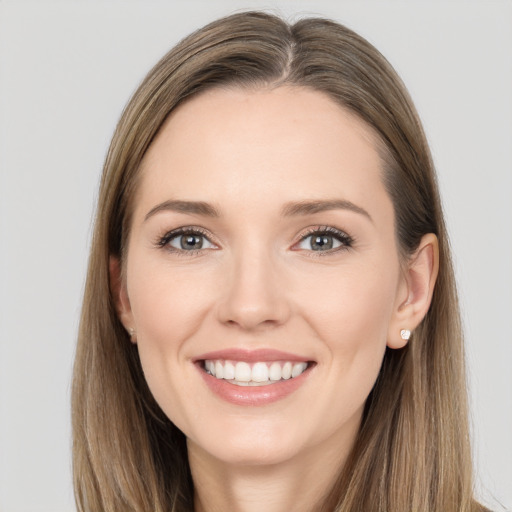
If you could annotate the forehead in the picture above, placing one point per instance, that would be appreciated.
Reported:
(288, 143)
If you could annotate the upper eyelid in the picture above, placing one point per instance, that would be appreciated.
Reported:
(187, 229)
(326, 229)
(163, 241)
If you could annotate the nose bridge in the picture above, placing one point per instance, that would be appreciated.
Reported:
(254, 294)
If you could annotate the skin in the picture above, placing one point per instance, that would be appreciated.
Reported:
(257, 283)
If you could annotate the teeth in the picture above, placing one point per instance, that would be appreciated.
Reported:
(209, 366)
(286, 372)
(229, 371)
(297, 369)
(260, 374)
(242, 372)
(274, 371)
(219, 370)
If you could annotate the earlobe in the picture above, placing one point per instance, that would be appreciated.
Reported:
(413, 301)
(120, 297)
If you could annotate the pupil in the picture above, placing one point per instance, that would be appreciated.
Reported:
(321, 242)
(191, 242)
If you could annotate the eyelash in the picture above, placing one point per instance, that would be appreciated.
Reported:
(163, 242)
(346, 240)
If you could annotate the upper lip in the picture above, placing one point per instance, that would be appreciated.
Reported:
(251, 356)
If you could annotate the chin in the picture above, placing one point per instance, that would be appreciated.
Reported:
(255, 446)
(254, 454)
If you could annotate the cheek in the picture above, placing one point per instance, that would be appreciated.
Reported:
(349, 312)
(350, 308)
(168, 304)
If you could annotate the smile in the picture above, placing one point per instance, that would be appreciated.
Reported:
(253, 377)
(241, 373)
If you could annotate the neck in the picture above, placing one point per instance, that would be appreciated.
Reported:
(300, 484)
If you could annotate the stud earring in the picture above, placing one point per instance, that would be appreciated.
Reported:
(131, 332)
(405, 334)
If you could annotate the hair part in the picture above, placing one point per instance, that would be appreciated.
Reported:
(412, 451)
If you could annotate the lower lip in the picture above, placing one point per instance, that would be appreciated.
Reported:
(253, 395)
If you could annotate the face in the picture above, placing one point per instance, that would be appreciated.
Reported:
(262, 276)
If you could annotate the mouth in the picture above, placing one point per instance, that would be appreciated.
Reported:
(259, 373)
(253, 378)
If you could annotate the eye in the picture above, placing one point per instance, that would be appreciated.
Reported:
(186, 240)
(325, 239)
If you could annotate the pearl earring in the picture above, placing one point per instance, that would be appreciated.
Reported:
(131, 332)
(405, 334)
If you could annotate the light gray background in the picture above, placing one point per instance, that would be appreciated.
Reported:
(66, 70)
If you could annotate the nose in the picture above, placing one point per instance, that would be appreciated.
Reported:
(254, 294)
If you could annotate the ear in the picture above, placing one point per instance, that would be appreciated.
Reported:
(120, 297)
(415, 290)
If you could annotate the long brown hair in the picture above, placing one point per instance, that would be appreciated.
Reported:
(412, 452)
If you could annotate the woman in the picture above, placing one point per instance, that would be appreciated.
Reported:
(269, 234)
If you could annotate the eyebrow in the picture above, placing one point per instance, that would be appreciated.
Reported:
(292, 209)
(316, 206)
(194, 207)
